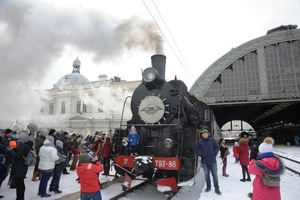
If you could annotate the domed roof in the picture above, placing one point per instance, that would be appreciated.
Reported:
(75, 77)
(76, 63)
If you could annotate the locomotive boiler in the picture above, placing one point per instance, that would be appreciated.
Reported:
(168, 120)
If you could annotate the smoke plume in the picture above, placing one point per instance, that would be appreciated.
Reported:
(34, 35)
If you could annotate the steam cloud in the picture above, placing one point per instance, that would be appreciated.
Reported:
(34, 35)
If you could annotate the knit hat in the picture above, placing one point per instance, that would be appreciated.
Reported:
(7, 131)
(267, 145)
(50, 138)
(65, 133)
(84, 158)
(12, 144)
(86, 143)
(24, 137)
(244, 134)
(59, 143)
(204, 131)
(133, 129)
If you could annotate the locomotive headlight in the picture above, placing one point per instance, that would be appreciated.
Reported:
(149, 74)
(125, 141)
(168, 143)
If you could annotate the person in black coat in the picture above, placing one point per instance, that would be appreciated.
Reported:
(19, 169)
(66, 146)
(207, 149)
(59, 166)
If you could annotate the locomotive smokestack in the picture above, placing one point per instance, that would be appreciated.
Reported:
(158, 62)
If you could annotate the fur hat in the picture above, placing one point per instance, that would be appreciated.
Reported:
(84, 158)
(267, 145)
(243, 141)
(50, 138)
(59, 143)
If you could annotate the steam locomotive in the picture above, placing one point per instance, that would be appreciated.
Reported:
(168, 120)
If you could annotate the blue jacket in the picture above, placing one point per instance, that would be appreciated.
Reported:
(133, 138)
(207, 149)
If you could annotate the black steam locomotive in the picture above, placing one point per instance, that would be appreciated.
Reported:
(168, 120)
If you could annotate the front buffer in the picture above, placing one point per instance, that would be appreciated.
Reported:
(142, 165)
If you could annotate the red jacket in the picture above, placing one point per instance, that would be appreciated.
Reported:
(243, 151)
(261, 191)
(88, 176)
(235, 150)
(106, 149)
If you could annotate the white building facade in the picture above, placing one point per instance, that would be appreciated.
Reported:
(77, 105)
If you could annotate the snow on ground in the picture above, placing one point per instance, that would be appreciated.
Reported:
(231, 187)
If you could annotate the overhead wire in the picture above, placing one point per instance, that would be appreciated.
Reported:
(192, 79)
(174, 42)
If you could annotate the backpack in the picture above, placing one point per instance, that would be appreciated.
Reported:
(30, 160)
(270, 181)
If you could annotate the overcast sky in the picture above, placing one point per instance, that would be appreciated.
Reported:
(41, 38)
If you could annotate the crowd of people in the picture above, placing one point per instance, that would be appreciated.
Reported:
(55, 153)
(255, 157)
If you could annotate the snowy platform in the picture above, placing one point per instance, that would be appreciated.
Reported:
(231, 187)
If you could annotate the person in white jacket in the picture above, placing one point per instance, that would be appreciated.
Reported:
(48, 155)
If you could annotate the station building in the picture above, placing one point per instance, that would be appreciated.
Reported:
(78, 105)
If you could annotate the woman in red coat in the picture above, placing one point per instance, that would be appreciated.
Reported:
(106, 153)
(243, 151)
(266, 163)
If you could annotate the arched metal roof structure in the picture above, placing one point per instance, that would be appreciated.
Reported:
(257, 82)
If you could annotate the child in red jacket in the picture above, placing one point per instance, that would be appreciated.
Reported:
(235, 150)
(267, 163)
(88, 173)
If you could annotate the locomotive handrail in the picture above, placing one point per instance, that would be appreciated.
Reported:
(123, 110)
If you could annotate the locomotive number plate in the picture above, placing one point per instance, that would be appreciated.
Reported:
(166, 163)
(125, 161)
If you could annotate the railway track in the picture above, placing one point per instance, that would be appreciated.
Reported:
(291, 164)
(140, 190)
(124, 193)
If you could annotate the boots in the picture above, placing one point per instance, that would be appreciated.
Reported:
(34, 177)
(65, 171)
(224, 171)
(40, 175)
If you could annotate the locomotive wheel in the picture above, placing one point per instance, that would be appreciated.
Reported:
(186, 169)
